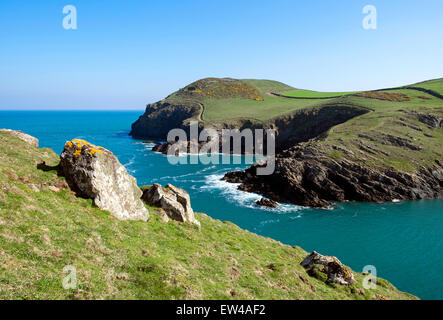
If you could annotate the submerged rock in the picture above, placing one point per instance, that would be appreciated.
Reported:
(335, 271)
(263, 202)
(162, 147)
(22, 136)
(174, 201)
(178, 147)
(95, 172)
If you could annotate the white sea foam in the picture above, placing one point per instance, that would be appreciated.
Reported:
(191, 174)
(149, 145)
(265, 222)
(242, 198)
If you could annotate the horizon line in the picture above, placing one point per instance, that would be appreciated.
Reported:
(20, 109)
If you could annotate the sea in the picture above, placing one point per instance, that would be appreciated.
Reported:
(402, 240)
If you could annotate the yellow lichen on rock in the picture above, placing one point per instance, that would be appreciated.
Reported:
(93, 151)
(80, 142)
(80, 145)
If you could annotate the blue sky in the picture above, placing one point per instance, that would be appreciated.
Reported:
(125, 54)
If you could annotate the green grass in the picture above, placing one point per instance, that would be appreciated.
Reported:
(42, 231)
(234, 109)
(390, 118)
(265, 86)
(435, 85)
(315, 94)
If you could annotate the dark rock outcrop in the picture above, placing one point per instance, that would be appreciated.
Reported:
(162, 147)
(165, 147)
(160, 117)
(432, 121)
(306, 176)
(263, 202)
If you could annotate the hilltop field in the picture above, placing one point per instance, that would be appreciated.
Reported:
(230, 99)
(44, 227)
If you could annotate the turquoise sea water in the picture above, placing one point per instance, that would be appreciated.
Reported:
(403, 240)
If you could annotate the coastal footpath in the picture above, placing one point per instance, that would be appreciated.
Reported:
(60, 214)
(372, 146)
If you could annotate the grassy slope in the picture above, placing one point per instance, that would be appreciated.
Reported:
(272, 106)
(43, 231)
(315, 94)
(435, 85)
(265, 86)
(230, 108)
(389, 118)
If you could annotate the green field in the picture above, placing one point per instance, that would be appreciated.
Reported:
(264, 86)
(42, 231)
(315, 94)
(435, 85)
(272, 106)
(394, 119)
(219, 108)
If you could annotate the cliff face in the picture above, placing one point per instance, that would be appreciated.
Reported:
(290, 129)
(371, 158)
(304, 125)
(159, 118)
(307, 176)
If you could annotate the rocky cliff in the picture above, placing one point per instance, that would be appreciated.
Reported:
(159, 118)
(290, 129)
(307, 175)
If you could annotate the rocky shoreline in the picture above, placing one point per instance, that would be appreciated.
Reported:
(306, 176)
